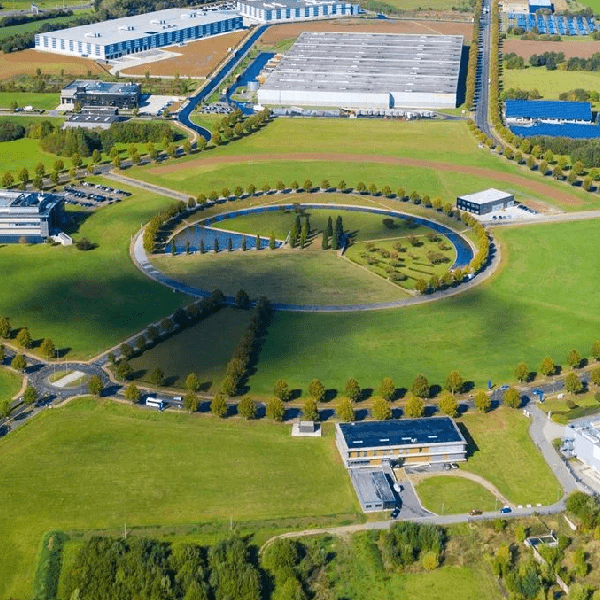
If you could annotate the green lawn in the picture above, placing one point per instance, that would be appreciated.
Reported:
(504, 454)
(484, 333)
(404, 5)
(144, 468)
(357, 575)
(448, 495)
(550, 83)
(203, 349)
(24, 153)
(10, 384)
(361, 226)
(36, 25)
(284, 276)
(86, 301)
(39, 101)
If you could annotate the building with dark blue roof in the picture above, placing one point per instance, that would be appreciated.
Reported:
(578, 131)
(518, 112)
(405, 441)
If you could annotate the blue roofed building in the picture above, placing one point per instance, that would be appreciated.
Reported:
(406, 441)
(529, 118)
(528, 111)
(535, 5)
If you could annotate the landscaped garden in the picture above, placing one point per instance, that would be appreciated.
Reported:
(446, 495)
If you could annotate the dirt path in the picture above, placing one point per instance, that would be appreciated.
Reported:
(538, 187)
(416, 479)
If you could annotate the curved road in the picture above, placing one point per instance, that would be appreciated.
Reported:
(222, 73)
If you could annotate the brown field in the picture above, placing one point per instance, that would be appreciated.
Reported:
(26, 62)
(278, 33)
(197, 59)
(526, 48)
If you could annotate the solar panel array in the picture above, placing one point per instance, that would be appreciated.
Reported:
(548, 109)
(568, 130)
(553, 25)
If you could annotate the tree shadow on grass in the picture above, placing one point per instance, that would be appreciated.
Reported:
(435, 390)
(429, 410)
(292, 413)
(365, 394)
(326, 414)
(330, 394)
(399, 393)
(397, 413)
(472, 447)
(295, 393)
(361, 414)
(139, 374)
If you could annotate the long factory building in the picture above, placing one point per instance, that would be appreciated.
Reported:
(366, 70)
(131, 35)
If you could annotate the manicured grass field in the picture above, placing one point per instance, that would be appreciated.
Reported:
(86, 301)
(24, 153)
(518, 315)
(550, 83)
(504, 454)
(39, 101)
(360, 226)
(284, 276)
(142, 467)
(10, 384)
(36, 25)
(203, 349)
(448, 495)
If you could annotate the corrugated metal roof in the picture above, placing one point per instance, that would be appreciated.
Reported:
(544, 109)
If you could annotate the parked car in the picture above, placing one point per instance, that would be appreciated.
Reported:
(394, 514)
(505, 510)
(454, 465)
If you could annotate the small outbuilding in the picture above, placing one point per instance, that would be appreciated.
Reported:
(487, 201)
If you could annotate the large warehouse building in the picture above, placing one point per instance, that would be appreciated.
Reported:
(263, 11)
(28, 216)
(130, 35)
(366, 70)
(481, 203)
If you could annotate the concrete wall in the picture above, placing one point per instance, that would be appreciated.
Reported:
(332, 99)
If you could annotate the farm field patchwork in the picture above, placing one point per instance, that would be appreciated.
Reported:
(203, 349)
(569, 47)
(446, 495)
(146, 468)
(484, 333)
(25, 62)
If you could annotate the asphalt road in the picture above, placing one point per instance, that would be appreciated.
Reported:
(483, 71)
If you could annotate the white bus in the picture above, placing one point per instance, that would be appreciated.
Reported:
(155, 402)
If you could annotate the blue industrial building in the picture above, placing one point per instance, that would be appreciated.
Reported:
(529, 118)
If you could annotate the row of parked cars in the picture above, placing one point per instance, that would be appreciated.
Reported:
(81, 198)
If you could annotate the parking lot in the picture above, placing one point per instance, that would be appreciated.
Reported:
(91, 195)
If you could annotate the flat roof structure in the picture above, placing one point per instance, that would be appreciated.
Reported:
(489, 200)
(548, 110)
(435, 439)
(576, 131)
(129, 35)
(373, 489)
(265, 11)
(27, 215)
(366, 70)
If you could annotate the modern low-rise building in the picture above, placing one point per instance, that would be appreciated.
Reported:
(93, 117)
(405, 441)
(28, 216)
(373, 488)
(130, 35)
(265, 11)
(487, 201)
(584, 443)
(366, 70)
(90, 92)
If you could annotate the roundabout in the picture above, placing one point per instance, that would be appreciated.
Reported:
(384, 255)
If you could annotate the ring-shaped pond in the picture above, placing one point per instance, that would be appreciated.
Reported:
(379, 268)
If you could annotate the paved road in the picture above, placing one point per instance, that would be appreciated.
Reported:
(482, 87)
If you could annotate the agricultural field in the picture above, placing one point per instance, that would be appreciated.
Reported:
(569, 47)
(26, 62)
(484, 333)
(38, 101)
(196, 59)
(277, 33)
(447, 495)
(35, 25)
(395, 153)
(209, 470)
(550, 83)
(203, 349)
(86, 301)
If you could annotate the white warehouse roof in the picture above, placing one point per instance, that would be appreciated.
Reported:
(488, 196)
(132, 28)
(407, 70)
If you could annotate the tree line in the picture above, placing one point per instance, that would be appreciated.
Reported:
(107, 568)
(473, 52)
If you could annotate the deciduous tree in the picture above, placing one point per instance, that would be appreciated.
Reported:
(420, 386)
(275, 409)
(24, 338)
(281, 390)
(124, 369)
(381, 409)
(352, 389)
(310, 410)
(414, 407)
(30, 395)
(512, 397)
(157, 377)
(574, 359)
(247, 408)
(345, 410)
(388, 389)
(573, 383)
(454, 382)
(317, 390)
(218, 406)
(95, 385)
(190, 402)
(18, 363)
(547, 367)
(5, 328)
(482, 401)
(192, 383)
(448, 405)
(522, 372)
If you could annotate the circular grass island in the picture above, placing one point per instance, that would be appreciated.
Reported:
(376, 262)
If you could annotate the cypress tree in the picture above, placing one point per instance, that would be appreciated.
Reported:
(216, 245)
(229, 244)
(293, 236)
(329, 226)
(202, 246)
(257, 241)
(272, 241)
(298, 224)
(324, 241)
(244, 243)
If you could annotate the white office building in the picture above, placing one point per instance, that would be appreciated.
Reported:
(28, 216)
(281, 11)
